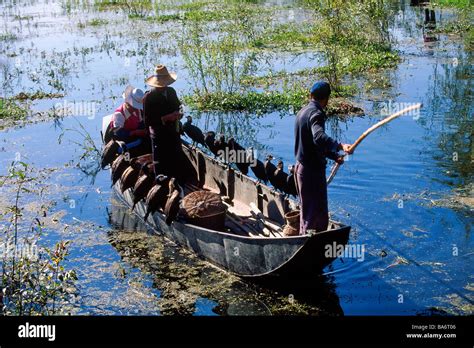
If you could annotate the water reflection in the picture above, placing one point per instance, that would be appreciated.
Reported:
(451, 111)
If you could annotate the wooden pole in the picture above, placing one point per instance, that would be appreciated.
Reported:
(336, 166)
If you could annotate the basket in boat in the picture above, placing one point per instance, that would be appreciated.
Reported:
(290, 231)
(292, 227)
(205, 209)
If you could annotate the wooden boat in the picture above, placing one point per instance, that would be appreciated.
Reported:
(244, 249)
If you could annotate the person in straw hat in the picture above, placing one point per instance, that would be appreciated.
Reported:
(162, 112)
(127, 122)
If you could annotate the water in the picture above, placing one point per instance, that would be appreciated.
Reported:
(408, 201)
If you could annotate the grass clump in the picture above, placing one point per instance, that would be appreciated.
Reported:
(97, 22)
(134, 8)
(8, 37)
(290, 99)
(461, 4)
(287, 36)
(10, 109)
(37, 95)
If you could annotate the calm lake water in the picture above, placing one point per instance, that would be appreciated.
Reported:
(407, 192)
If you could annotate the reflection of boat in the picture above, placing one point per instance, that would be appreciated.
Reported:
(158, 258)
(241, 250)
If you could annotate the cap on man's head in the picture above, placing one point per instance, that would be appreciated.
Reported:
(320, 90)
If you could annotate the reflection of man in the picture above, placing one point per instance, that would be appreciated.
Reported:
(162, 114)
(312, 147)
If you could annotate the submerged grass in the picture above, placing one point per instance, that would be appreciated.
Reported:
(37, 95)
(289, 100)
(96, 22)
(463, 4)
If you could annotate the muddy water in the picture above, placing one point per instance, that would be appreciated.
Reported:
(407, 191)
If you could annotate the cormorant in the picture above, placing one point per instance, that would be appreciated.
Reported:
(259, 169)
(270, 169)
(290, 182)
(243, 166)
(280, 177)
(172, 204)
(143, 185)
(156, 197)
(193, 132)
(210, 139)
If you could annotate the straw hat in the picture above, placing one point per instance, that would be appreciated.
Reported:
(161, 78)
(134, 97)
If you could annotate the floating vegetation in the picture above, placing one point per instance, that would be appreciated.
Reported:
(458, 305)
(462, 4)
(287, 101)
(239, 59)
(93, 23)
(8, 37)
(37, 95)
(459, 199)
(9, 109)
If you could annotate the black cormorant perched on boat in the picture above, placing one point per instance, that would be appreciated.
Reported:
(280, 177)
(110, 152)
(239, 151)
(118, 167)
(258, 169)
(270, 169)
(210, 139)
(172, 204)
(220, 146)
(156, 197)
(143, 185)
(130, 176)
(193, 132)
(290, 182)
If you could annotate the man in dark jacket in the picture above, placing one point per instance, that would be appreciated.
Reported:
(162, 114)
(312, 147)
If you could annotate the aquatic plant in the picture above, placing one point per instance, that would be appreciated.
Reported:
(217, 65)
(93, 22)
(36, 95)
(463, 4)
(345, 47)
(134, 8)
(9, 109)
(288, 100)
(34, 280)
(89, 160)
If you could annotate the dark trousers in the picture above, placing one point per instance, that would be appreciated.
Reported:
(142, 149)
(313, 195)
(172, 162)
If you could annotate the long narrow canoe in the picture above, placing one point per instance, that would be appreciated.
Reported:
(253, 254)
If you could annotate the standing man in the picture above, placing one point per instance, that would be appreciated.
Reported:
(312, 147)
(162, 114)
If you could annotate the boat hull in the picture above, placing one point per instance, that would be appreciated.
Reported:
(249, 257)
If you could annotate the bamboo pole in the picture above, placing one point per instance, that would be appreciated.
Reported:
(386, 120)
